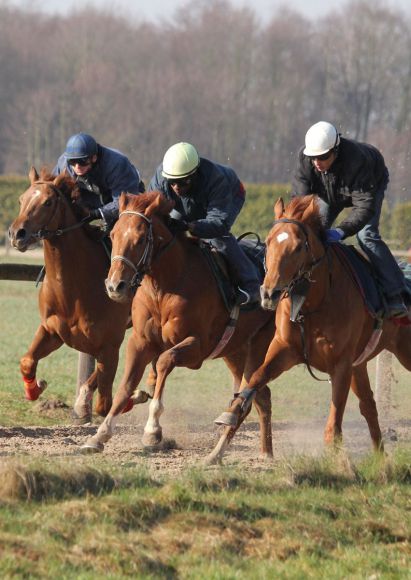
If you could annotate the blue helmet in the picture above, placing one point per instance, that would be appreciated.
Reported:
(80, 145)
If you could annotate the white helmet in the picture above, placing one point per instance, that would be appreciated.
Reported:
(180, 160)
(321, 138)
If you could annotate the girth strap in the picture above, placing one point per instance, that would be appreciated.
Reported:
(228, 333)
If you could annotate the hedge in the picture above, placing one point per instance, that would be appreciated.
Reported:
(256, 216)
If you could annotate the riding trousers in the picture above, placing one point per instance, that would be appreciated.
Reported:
(241, 268)
(386, 267)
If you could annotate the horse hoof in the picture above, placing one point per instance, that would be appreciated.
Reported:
(152, 439)
(80, 420)
(226, 418)
(91, 447)
(212, 460)
(139, 397)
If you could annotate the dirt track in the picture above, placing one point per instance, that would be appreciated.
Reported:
(182, 449)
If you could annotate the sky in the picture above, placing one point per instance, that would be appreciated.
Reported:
(164, 9)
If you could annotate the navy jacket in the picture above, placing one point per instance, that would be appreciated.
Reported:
(112, 174)
(215, 191)
(358, 172)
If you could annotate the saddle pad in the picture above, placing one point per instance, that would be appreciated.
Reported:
(255, 251)
(361, 272)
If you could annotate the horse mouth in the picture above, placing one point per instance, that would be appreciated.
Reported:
(118, 293)
(269, 301)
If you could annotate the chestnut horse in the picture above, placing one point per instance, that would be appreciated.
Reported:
(332, 332)
(74, 307)
(178, 314)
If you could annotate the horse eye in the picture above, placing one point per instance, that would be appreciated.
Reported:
(47, 202)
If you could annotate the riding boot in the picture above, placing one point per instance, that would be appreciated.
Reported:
(242, 270)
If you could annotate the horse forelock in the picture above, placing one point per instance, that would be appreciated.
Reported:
(302, 209)
(142, 201)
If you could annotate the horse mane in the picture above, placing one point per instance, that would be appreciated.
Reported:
(154, 201)
(303, 209)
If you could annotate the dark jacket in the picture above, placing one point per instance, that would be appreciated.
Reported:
(209, 203)
(358, 172)
(112, 173)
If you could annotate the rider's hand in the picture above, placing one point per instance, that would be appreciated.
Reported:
(178, 225)
(334, 235)
(94, 214)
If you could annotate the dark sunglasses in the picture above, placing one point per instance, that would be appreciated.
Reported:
(184, 181)
(322, 157)
(82, 162)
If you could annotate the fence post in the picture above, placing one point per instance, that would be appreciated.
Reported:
(85, 367)
(383, 382)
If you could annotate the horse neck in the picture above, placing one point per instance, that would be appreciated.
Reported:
(320, 275)
(65, 254)
(170, 256)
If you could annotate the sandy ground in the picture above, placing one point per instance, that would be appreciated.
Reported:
(188, 447)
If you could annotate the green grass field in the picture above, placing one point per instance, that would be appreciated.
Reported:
(328, 516)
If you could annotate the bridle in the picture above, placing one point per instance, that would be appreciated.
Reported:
(145, 262)
(45, 234)
(304, 273)
(300, 283)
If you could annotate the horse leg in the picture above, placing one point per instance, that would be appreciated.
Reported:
(138, 355)
(42, 345)
(82, 408)
(340, 382)
(279, 358)
(262, 403)
(360, 385)
(141, 395)
(183, 354)
(107, 363)
(402, 346)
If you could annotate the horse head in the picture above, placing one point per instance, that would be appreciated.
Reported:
(135, 237)
(292, 247)
(42, 207)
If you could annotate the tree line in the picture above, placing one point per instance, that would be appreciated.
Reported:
(242, 92)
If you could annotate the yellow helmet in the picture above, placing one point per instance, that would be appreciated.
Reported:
(180, 160)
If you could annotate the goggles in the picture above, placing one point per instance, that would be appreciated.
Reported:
(83, 161)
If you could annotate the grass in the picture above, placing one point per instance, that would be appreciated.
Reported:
(323, 519)
(306, 517)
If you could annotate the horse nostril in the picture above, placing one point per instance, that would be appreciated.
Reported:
(21, 234)
(121, 286)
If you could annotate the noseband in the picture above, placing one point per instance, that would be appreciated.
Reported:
(303, 273)
(144, 262)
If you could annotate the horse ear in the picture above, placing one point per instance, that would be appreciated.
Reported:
(310, 209)
(60, 179)
(278, 208)
(122, 201)
(160, 205)
(33, 175)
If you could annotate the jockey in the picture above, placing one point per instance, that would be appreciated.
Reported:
(102, 174)
(208, 197)
(346, 173)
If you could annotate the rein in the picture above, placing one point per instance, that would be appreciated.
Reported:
(144, 263)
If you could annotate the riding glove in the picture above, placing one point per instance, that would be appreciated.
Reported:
(334, 235)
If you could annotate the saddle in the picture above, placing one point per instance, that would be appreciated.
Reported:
(366, 278)
(254, 249)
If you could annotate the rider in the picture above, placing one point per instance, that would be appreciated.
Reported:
(208, 198)
(102, 174)
(346, 173)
